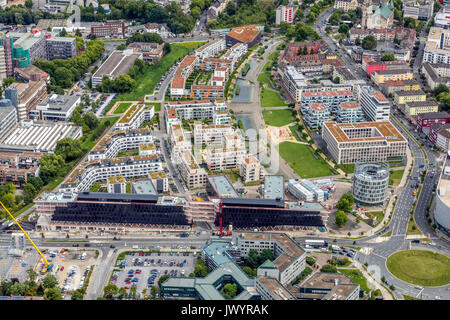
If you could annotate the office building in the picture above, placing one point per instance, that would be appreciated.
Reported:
(419, 10)
(26, 96)
(436, 74)
(8, 119)
(55, 108)
(365, 141)
(437, 47)
(108, 29)
(374, 104)
(414, 108)
(61, 48)
(31, 73)
(370, 184)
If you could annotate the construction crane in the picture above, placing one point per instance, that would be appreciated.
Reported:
(47, 265)
(221, 233)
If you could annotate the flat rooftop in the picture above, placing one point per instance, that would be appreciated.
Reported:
(326, 280)
(117, 63)
(384, 129)
(143, 187)
(273, 187)
(57, 196)
(276, 289)
(223, 186)
(216, 251)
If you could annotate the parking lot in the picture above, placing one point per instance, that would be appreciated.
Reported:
(143, 270)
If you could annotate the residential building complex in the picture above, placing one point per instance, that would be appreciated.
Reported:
(250, 35)
(436, 74)
(284, 14)
(437, 47)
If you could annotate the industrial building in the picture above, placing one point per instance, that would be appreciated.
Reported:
(370, 184)
(55, 108)
(118, 63)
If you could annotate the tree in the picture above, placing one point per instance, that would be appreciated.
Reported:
(63, 32)
(52, 294)
(266, 254)
(343, 28)
(8, 200)
(229, 291)
(410, 23)
(32, 275)
(78, 294)
(328, 268)
(78, 33)
(388, 57)
(369, 42)
(383, 279)
(51, 166)
(68, 148)
(440, 88)
(18, 289)
(253, 258)
(110, 290)
(49, 281)
(29, 192)
(162, 279)
(341, 218)
(153, 291)
(29, 4)
(358, 41)
(90, 119)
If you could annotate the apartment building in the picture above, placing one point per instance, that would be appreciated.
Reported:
(193, 175)
(436, 74)
(390, 87)
(349, 112)
(178, 140)
(374, 104)
(425, 120)
(116, 184)
(294, 82)
(108, 29)
(151, 52)
(120, 140)
(365, 141)
(402, 97)
(184, 69)
(17, 167)
(6, 60)
(211, 134)
(26, 96)
(211, 49)
(88, 173)
(284, 14)
(413, 108)
(371, 65)
(61, 48)
(55, 108)
(219, 159)
(222, 118)
(346, 5)
(135, 116)
(236, 52)
(382, 76)
(407, 36)
(315, 115)
(443, 137)
(207, 92)
(196, 109)
(437, 47)
(250, 170)
(330, 99)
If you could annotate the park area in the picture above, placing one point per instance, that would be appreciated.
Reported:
(277, 118)
(395, 176)
(270, 98)
(420, 267)
(302, 161)
(121, 108)
(147, 81)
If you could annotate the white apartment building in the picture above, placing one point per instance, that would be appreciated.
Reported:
(8, 119)
(236, 52)
(113, 143)
(211, 134)
(284, 14)
(91, 172)
(419, 10)
(315, 115)
(250, 169)
(294, 82)
(299, 191)
(211, 49)
(364, 141)
(220, 159)
(135, 116)
(196, 110)
(221, 118)
(116, 184)
(348, 112)
(178, 140)
(193, 175)
(374, 104)
(437, 47)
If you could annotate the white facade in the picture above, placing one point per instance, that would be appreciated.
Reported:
(135, 116)
(374, 104)
(284, 14)
(211, 49)
(299, 191)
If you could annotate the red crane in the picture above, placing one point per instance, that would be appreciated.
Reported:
(221, 233)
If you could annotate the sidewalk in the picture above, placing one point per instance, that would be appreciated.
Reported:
(386, 295)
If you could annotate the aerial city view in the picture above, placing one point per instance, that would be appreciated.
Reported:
(233, 150)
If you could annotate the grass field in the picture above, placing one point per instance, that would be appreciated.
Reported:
(121, 108)
(264, 78)
(356, 277)
(156, 104)
(395, 176)
(302, 161)
(378, 214)
(277, 118)
(293, 128)
(271, 99)
(412, 231)
(147, 81)
(430, 268)
(410, 298)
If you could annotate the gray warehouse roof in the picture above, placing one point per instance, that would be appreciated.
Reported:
(118, 63)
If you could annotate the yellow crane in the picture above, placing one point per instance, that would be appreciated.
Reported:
(47, 265)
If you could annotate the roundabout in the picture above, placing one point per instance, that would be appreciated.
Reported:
(420, 267)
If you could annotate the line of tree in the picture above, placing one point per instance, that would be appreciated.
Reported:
(300, 31)
(124, 82)
(145, 37)
(47, 287)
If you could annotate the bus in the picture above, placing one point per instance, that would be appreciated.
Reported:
(316, 244)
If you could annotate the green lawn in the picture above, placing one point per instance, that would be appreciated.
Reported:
(271, 99)
(410, 298)
(147, 82)
(347, 168)
(420, 267)
(264, 78)
(395, 176)
(121, 108)
(277, 118)
(302, 161)
(267, 66)
(356, 277)
(378, 214)
(293, 128)
(156, 104)
(412, 228)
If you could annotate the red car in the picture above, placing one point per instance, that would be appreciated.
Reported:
(62, 268)
(138, 271)
(126, 288)
(141, 254)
